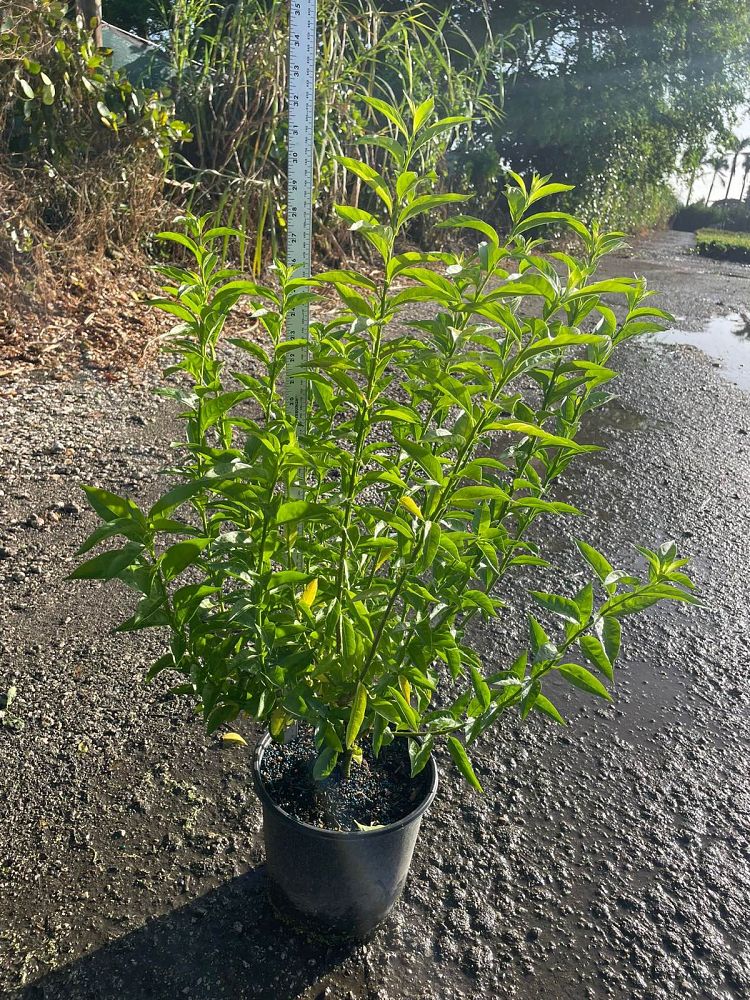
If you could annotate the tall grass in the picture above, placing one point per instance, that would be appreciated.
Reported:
(230, 84)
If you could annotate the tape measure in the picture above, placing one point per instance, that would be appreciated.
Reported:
(303, 15)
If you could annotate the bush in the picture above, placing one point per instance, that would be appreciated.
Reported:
(734, 215)
(91, 147)
(329, 571)
(724, 245)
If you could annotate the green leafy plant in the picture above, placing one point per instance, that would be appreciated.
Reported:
(330, 576)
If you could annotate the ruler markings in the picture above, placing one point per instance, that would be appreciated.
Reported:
(301, 142)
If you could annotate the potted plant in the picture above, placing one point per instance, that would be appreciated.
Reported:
(322, 582)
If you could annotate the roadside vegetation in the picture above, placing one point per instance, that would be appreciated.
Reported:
(93, 160)
(723, 245)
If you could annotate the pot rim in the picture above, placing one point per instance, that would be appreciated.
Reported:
(265, 796)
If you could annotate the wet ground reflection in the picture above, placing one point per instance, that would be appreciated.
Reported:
(726, 339)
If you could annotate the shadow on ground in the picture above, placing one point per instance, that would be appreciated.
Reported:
(228, 943)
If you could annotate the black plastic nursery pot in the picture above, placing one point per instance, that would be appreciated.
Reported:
(336, 882)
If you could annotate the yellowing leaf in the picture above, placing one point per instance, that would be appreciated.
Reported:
(384, 556)
(309, 593)
(357, 715)
(278, 722)
(409, 505)
(405, 686)
(233, 738)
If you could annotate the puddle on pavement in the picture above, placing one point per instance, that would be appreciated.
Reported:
(726, 339)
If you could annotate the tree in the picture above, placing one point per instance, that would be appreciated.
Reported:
(736, 147)
(90, 10)
(609, 94)
(692, 162)
(718, 162)
(745, 175)
(144, 17)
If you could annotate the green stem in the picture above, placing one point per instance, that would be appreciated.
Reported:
(346, 764)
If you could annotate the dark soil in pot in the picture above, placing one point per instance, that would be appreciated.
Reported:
(377, 792)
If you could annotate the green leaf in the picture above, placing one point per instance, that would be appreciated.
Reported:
(547, 189)
(538, 636)
(545, 218)
(561, 606)
(582, 678)
(595, 559)
(391, 113)
(428, 202)
(584, 601)
(175, 498)
(394, 147)
(150, 614)
(109, 564)
(419, 754)
(481, 689)
(325, 763)
(370, 176)
(529, 699)
(478, 599)
(431, 546)
(301, 510)
(181, 555)
(186, 600)
(387, 711)
(462, 762)
(120, 526)
(543, 704)
(479, 493)
(469, 222)
(595, 653)
(180, 238)
(610, 632)
(405, 182)
(110, 506)
(357, 715)
(422, 113)
(165, 662)
(630, 604)
(398, 414)
(530, 430)
(406, 712)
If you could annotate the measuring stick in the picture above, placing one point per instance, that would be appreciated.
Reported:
(302, 49)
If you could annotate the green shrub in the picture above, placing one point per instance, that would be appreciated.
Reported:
(93, 147)
(330, 573)
(734, 215)
(723, 245)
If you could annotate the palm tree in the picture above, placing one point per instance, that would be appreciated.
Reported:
(735, 148)
(692, 161)
(718, 162)
(745, 174)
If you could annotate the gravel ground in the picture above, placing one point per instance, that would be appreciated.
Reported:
(610, 859)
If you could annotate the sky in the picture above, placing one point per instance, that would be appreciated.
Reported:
(701, 187)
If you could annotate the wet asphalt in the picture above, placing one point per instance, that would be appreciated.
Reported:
(610, 859)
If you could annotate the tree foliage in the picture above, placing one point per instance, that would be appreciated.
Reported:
(609, 95)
